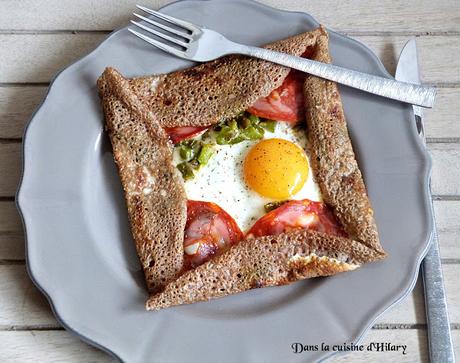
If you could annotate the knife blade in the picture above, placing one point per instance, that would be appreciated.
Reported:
(439, 335)
(407, 70)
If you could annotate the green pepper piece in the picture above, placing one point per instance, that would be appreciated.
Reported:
(221, 140)
(186, 170)
(253, 132)
(236, 140)
(254, 119)
(186, 152)
(205, 154)
(225, 135)
(268, 125)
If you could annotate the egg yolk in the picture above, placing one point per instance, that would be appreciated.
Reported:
(276, 168)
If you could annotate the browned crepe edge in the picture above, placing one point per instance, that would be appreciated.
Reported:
(332, 158)
(214, 91)
(264, 261)
(154, 190)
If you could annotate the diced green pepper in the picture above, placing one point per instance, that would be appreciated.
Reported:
(253, 132)
(186, 170)
(196, 146)
(225, 135)
(268, 125)
(237, 139)
(186, 152)
(205, 154)
(254, 119)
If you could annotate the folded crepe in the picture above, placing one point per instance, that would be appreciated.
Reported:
(136, 113)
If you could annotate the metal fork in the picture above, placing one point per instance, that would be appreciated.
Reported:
(189, 41)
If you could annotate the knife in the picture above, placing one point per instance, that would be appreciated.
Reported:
(439, 335)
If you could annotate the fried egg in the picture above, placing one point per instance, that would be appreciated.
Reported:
(243, 177)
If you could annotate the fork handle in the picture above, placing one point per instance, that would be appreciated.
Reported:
(386, 87)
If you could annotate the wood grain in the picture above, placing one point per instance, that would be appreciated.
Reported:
(9, 219)
(37, 57)
(47, 346)
(21, 304)
(440, 122)
(17, 105)
(439, 56)
(447, 214)
(10, 164)
(446, 172)
(347, 15)
(11, 233)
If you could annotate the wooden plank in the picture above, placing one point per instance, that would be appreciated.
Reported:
(16, 107)
(37, 57)
(374, 15)
(47, 346)
(10, 165)
(11, 234)
(447, 213)
(9, 218)
(410, 310)
(440, 122)
(433, 70)
(451, 272)
(60, 346)
(446, 173)
(21, 304)
(12, 247)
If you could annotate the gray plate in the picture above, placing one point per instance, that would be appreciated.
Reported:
(79, 248)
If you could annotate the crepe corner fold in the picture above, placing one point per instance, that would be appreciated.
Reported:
(153, 188)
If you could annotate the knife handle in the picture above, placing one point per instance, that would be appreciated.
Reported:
(439, 336)
(406, 92)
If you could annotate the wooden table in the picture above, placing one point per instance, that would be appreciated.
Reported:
(38, 38)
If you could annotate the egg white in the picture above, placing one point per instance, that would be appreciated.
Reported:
(221, 181)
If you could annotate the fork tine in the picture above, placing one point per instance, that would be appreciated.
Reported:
(158, 44)
(160, 35)
(164, 27)
(185, 24)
